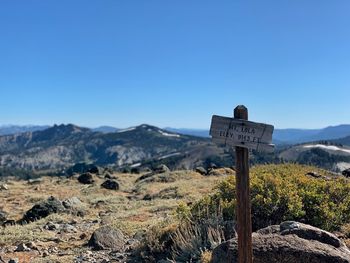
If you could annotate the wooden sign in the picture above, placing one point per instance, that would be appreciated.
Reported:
(243, 133)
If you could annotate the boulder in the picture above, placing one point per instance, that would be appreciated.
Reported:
(107, 237)
(86, 178)
(43, 209)
(161, 169)
(290, 242)
(110, 184)
(346, 172)
(110, 176)
(95, 169)
(79, 168)
(22, 248)
(74, 206)
(201, 170)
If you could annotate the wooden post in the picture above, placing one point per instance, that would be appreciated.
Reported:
(243, 209)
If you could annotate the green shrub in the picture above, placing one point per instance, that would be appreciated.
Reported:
(283, 192)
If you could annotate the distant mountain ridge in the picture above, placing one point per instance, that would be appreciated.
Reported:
(105, 129)
(15, 129)
(280, 136)
(61, 146)
(289, 136)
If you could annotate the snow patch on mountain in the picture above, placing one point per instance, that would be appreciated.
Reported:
(327, 147)
(168, 134)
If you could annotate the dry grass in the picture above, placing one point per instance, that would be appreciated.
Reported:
(124, 209)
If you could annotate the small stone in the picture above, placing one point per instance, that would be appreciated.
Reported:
(45, 253)
(161, 169)
(3, 216)
(74, 222)
(201, 170)
(4, 187)
(54, 250)
(22, 248)
(67, 228)
(32, 245)
(83, 236)
(51, 226)
(13, 260)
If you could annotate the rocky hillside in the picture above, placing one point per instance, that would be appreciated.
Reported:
(326, 154)
(167, 216)
(61, 146)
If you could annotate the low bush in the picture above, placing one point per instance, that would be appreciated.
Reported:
(280, 193)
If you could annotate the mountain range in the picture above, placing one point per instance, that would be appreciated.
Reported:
(61, 146)
(14, 129)
(280, 136)
(290, 136)
(42, 148)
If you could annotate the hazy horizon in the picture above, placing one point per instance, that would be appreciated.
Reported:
(162, 127)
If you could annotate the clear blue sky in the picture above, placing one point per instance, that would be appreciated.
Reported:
(174, 63)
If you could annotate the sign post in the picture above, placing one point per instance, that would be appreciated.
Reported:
(244, 135)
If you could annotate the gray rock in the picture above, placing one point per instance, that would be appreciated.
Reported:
(22, 248)
(290, 242)
(201, 170)
(110, 176)
(310, 233)
(86, 178)
(107, 238)
(74, 206)
(35, 181)
(3, 216)
(50, 206)
(95, 169)
(13, 260)
(3, 187)
(161, 169)
(346, 172)
(32, 245)
(314, 174)
(110, 184)
(67, 228)
(51, 226)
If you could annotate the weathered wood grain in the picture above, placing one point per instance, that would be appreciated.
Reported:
(243, 133)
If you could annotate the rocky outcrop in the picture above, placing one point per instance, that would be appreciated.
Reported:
(43, 209)
(346, 172)
(86, 178)
(107, 238)
(290, 242)
(201, 170)
(110, 184)
(161, 169)
(74, 206)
